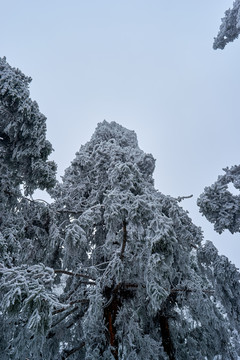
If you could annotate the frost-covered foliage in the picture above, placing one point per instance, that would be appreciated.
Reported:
(139, 280)
(113, 269)
(24, 226)
(230, 27)
(219, 205)
(27, 230)
(24, 148)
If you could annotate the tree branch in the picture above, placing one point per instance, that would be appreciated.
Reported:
(67, 353)
(35, 200)
(82, 301)
(124, 239)
(180, 198)
(59, 271)
(78, 212)
(191, 290)
(65, 315)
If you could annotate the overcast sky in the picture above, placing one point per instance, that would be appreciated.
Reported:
(148, 65)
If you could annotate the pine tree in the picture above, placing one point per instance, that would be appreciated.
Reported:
(112, 269)
(230, 27)
(152, 290)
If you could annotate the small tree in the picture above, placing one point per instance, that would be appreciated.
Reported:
(113, 269)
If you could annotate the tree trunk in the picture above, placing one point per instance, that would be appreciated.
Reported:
(110, 313)
(166, 337)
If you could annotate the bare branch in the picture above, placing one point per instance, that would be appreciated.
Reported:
(180, 198)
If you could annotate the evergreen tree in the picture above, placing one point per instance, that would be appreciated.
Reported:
(112, 269)
(230, 27)
(25, 226)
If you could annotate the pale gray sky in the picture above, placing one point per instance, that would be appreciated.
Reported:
(148, 65)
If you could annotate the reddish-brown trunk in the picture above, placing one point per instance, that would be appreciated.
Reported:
(110, 313)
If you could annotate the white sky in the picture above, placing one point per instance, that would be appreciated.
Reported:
(148, 65)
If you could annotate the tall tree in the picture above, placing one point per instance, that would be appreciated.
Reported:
(112, 269)
(230, 27)
(134, 280)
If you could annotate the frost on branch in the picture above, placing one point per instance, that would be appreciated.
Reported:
(28, 301)
(219, 205)
(230, 27)
(29, 289)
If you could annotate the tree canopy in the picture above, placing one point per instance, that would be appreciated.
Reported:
(112, 268)
(219, 205)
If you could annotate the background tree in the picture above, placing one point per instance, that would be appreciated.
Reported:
(24, 151)
(25, 226)
(230, 27)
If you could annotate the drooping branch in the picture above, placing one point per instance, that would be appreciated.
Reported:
(82, 301)
(171, 291)
(64, 316)
(75, 212)
(67, 211)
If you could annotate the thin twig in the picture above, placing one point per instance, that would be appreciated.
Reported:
(180, 198)
(59, 271)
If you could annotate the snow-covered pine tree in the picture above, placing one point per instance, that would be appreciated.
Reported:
(135, 282)
(145, 286)
(25, 226)
(113, 269)
(230, 27)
